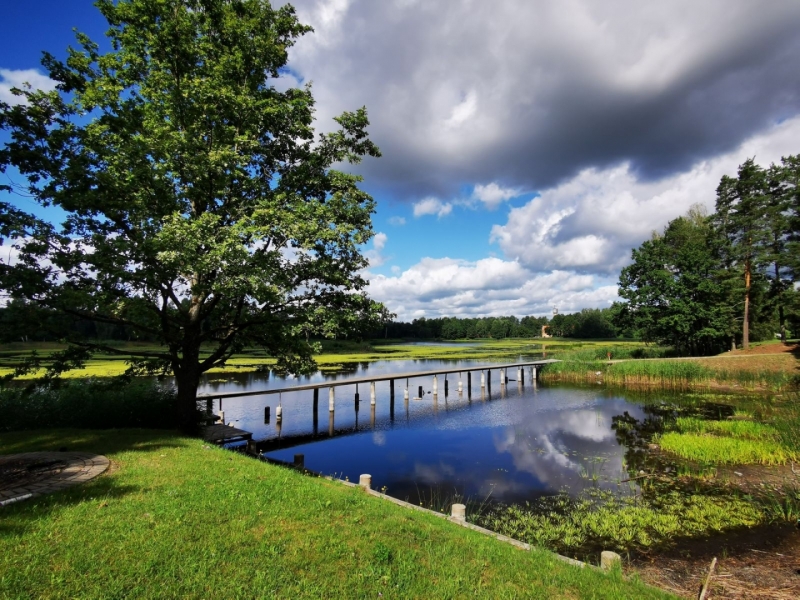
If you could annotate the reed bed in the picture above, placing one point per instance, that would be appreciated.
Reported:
(677, 375)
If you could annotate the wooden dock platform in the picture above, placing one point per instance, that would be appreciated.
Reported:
(223, 434)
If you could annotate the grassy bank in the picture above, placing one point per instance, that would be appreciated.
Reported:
(176, 518)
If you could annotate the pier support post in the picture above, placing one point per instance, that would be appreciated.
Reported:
(316, 401)
(278, 412)
(405, 392)
(372, 393)
(372, 416)
(365, 481)
(391, 389)
(446, 391)
(435, 386)
(420, 392)
(331, 401)
(520, 376)
(330, 424)
(222, 417)
(489, 381)
(251, 449)
(266, 415)
(460, 384)
(483, 380)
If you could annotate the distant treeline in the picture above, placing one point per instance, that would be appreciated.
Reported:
(17, 318)
(589, 323)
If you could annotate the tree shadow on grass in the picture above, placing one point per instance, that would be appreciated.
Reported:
(98, 441)
(18, 516)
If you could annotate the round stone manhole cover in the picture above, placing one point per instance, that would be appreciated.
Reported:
(24, 476)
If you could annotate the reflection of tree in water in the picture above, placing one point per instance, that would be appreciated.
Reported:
(637, 435)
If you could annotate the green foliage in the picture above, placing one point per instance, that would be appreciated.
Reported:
(727, 442)
(707, 277)
(674, 292)
(725, 450)
(601, 521)
(201, 206)
(91, 403)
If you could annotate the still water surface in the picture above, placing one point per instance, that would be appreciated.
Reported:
(518, 443)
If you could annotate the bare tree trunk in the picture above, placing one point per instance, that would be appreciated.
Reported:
(746, 323)
(780, 304)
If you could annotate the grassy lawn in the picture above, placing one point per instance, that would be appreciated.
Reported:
(176, 518)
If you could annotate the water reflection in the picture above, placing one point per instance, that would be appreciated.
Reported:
(510, 444)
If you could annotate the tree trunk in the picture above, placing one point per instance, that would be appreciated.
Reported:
(778, 286)
(188, 380)
(746, 323)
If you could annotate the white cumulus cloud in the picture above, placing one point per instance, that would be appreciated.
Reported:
(432, 206)
(19, 79)
(488, 287)
(593, 220)
(492, 195)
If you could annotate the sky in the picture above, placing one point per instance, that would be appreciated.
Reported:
(528, 145)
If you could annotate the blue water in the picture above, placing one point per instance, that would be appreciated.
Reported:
(518, 443)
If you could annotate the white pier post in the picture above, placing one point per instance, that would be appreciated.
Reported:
(483, 380)
(460, 384)
(435, 386)
(331, 402)
(372, 393)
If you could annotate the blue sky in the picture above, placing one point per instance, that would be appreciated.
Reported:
(527, 145)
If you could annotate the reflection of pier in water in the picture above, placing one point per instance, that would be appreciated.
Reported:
(485, 387)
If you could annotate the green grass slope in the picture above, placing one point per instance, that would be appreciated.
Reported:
(178, 519)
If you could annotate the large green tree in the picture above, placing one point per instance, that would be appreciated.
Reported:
(675, 290)
(203, 210)
(743, 203)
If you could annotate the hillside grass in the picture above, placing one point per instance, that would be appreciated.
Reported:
(176, 518)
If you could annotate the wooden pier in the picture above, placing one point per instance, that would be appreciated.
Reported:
(224, 434)
(220, 434)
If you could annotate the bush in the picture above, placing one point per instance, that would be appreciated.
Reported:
(89, 404)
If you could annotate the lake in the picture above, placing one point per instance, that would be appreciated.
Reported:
(520, 443)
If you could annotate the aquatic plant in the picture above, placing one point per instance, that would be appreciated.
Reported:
(600, 520)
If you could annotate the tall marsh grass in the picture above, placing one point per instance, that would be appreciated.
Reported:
(89, 404)
(678, 375)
